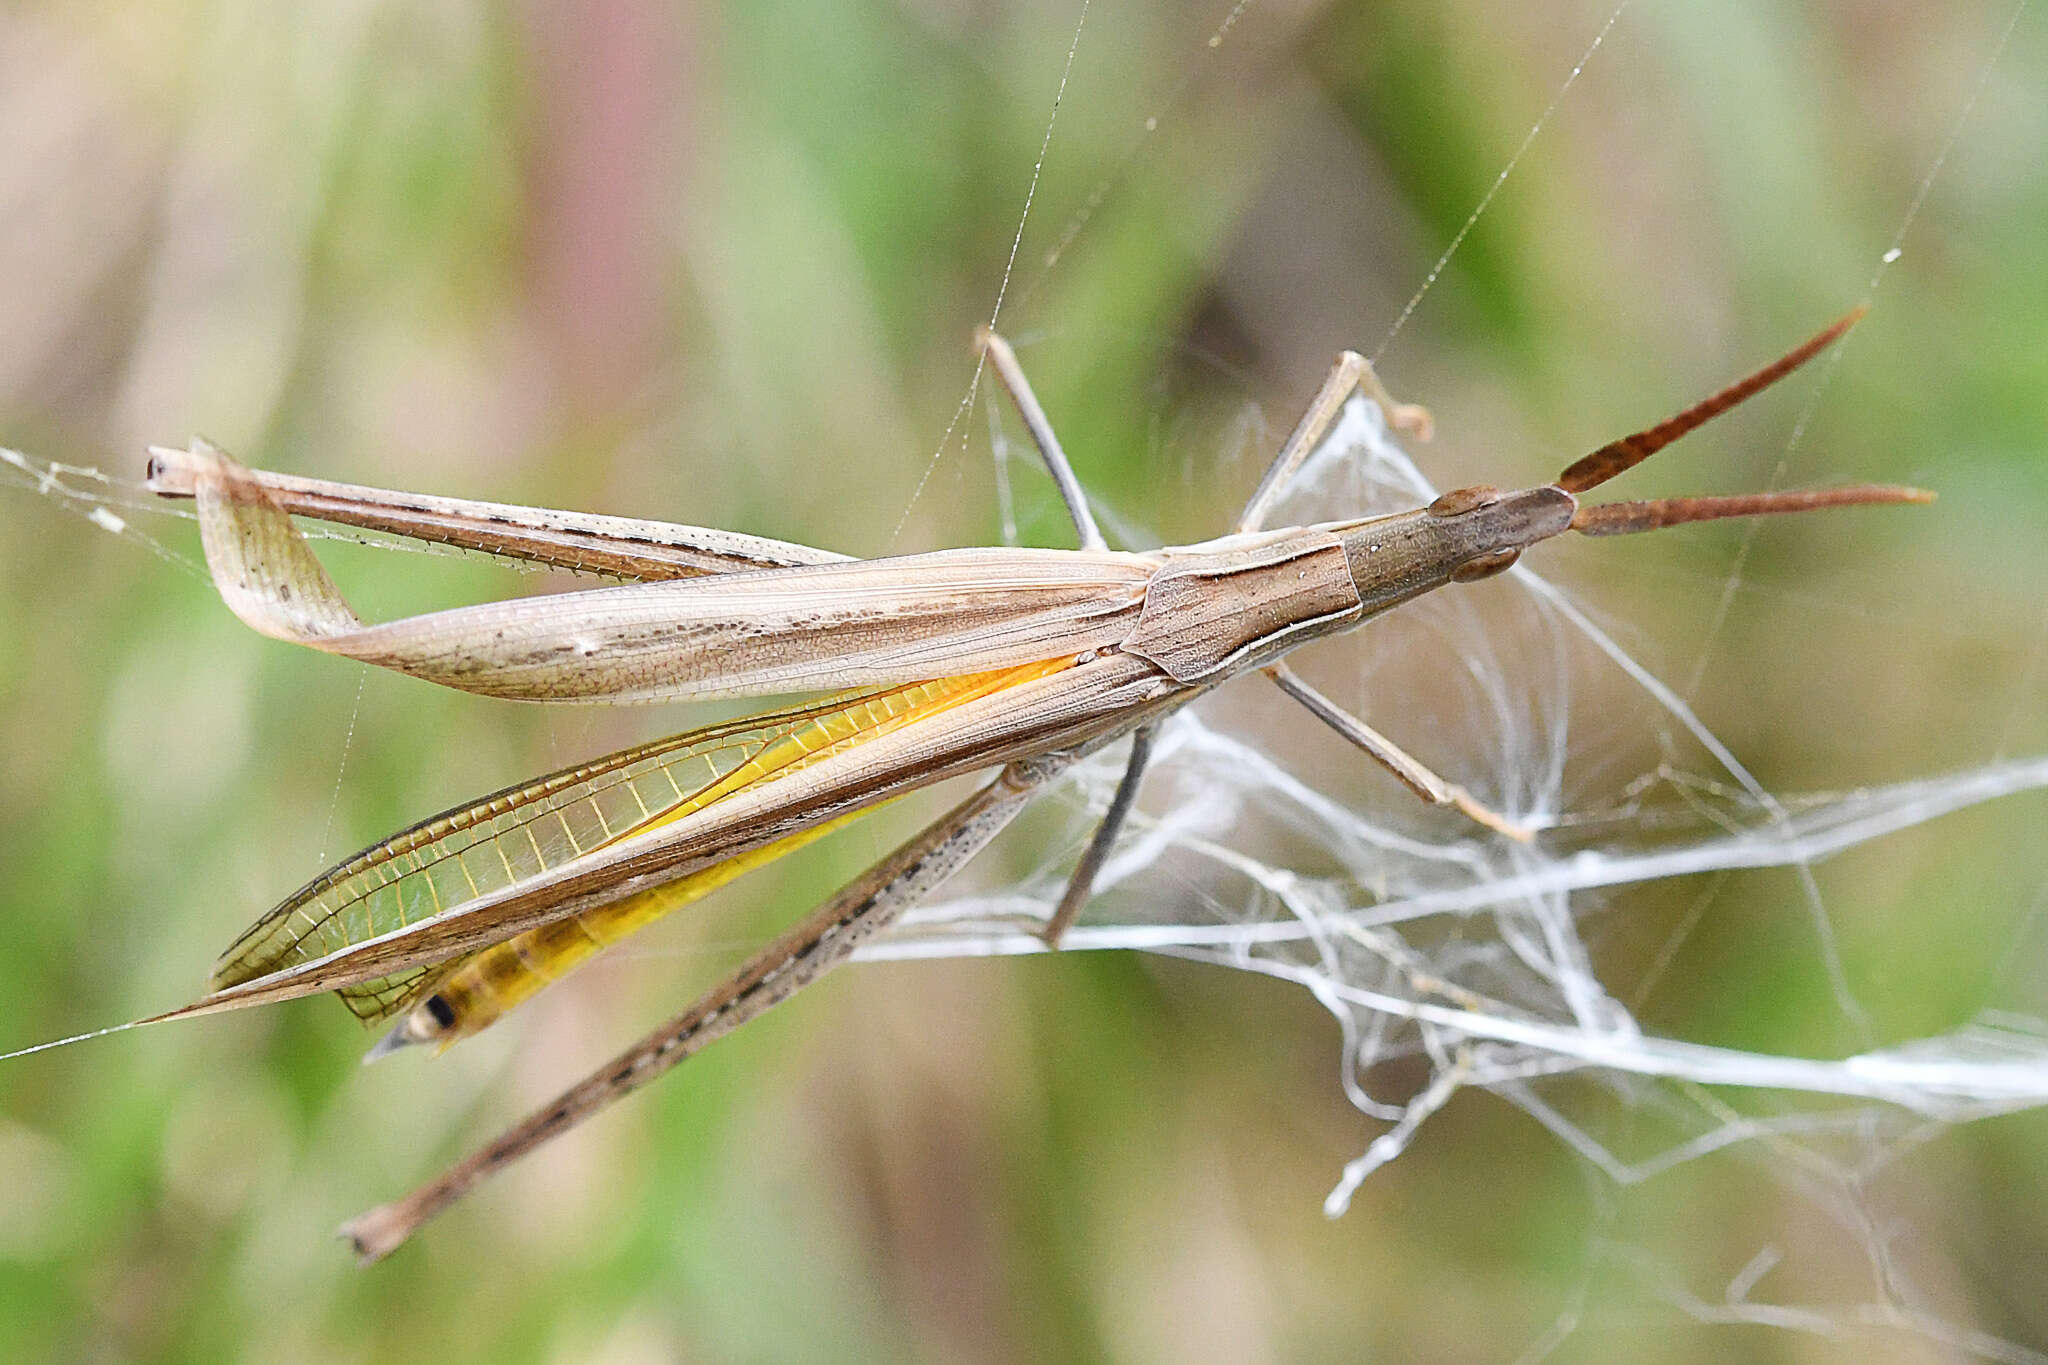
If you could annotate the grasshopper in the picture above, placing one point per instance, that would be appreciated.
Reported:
(1015, 659)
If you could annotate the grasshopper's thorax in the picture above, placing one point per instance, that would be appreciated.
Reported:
(1220, 607)
(1235, 603)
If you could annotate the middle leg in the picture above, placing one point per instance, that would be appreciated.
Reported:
(1383, 751)
(1082, 883)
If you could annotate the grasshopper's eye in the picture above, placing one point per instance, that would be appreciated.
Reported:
(1461, 500)
(1485, 566)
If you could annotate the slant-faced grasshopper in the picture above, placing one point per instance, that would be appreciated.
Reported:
(1022, 660)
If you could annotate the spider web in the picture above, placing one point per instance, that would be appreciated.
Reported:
(1476, 955)
(1480, 958)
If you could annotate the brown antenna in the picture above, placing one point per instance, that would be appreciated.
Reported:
(1626, 518)
(1618, 457)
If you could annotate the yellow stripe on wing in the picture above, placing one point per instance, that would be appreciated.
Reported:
(479, 990)
(523, 831)
(475, 992)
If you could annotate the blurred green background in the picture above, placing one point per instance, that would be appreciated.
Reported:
(721, 265)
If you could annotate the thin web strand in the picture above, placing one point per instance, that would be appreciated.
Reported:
(1109, 183)
(49, 480)
(1002, 290)
(348, 740)
(1711, 638)
(1486, 200)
